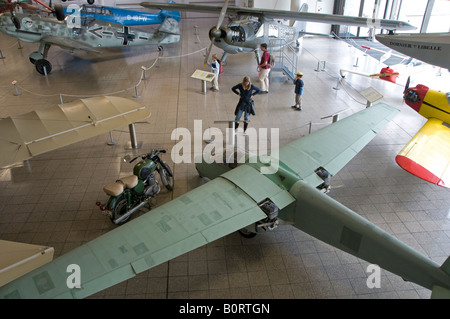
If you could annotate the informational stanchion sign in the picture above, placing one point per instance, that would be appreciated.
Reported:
(204, 76)
(371, 95)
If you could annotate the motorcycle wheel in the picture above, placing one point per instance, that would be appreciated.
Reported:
(119, 210)
(166, 176)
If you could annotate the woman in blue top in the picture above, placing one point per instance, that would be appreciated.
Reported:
(245, 105)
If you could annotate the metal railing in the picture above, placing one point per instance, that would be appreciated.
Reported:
(285, 55)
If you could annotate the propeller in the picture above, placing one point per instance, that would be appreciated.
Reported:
(407, 84)
(216, 30)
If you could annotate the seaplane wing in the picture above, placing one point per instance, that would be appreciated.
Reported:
(40, 131)
(289, 15)
(349, 136)
(69, 44)
(427, 155)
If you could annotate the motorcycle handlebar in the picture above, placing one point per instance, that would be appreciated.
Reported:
(133, 159)
(153, 153)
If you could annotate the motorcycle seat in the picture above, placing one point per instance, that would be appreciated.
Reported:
(115, 189)
(130, 181)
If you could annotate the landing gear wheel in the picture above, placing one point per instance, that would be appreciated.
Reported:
(59, 12)
(246, 233)
(90, 1)
(43, 66)
(160, 48)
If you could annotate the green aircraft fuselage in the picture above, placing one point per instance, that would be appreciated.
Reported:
(310, 210)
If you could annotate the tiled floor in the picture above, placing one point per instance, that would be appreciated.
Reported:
(50, 199)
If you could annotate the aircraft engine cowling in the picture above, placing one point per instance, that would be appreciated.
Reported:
(236, 34)
(328, 220)
(414, 97)
(220, 33)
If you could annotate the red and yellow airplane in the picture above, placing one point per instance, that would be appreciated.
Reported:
(427, 155)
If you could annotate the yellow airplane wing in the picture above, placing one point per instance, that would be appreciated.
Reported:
(427, 155)
(40, 131)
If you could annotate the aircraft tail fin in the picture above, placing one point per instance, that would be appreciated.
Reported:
(300, 26)
(170, 14)
(169, 26)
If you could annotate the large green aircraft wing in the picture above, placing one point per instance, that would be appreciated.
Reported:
(333, 146)
(194, 219)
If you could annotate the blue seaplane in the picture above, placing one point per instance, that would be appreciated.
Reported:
(126, 17)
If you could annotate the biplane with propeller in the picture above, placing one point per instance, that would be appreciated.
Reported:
(256, 26)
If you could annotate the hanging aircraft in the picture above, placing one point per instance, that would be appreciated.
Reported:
(69, 34)
(257, 26)
(427, 155)
(120, 16)
(244, 196)
(432, 48)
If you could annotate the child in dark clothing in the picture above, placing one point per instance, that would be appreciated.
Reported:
(298, 91)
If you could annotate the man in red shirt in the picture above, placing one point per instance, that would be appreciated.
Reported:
(264, 69)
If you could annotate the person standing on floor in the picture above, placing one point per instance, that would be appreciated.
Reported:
(245, 90)
(215, 68)
(264, 69)
(298, 91)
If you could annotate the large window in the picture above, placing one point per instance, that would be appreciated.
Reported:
(425, 15)
(440, 17)
(413, 13)
(379, 9)
(351, 8)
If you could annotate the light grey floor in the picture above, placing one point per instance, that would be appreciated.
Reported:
(50, 199)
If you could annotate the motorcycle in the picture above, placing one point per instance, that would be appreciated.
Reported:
(129, 194)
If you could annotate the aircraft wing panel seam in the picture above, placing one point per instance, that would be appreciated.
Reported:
(350, 135)
(271, 190)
